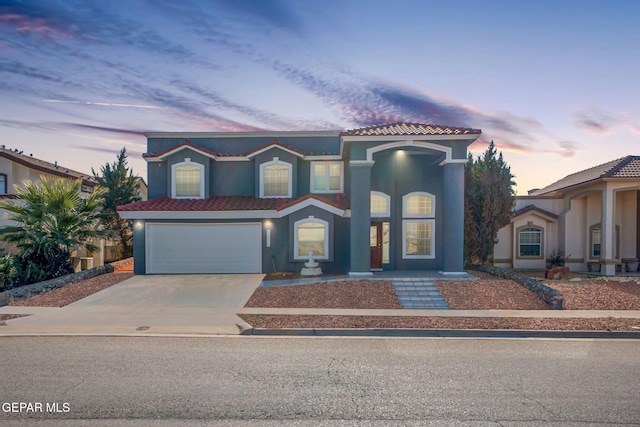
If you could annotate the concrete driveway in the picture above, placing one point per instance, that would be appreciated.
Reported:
(159, 304)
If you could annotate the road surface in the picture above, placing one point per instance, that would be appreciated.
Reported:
(318, 381)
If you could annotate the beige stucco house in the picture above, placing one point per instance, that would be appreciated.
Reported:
(16, 168)
(592, 215)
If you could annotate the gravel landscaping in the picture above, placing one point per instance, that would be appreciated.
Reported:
(488, 293)
(363, 294)
(318, 322)
(73, 292)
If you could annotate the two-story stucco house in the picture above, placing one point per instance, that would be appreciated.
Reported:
(388, 197)
(16, 168)
(592, 215)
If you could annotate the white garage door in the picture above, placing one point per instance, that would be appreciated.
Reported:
(203, 248)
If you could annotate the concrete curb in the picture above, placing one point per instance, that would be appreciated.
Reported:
(441, 333)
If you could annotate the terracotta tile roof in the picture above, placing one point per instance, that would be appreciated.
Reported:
(409, 129)
(50, 168)
(530, 208)
(229, 203)
(625, 167)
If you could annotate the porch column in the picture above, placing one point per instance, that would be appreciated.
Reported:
(607, 230)
(453, 221)
(360, 201)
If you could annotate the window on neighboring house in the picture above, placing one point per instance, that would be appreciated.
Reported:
(530, 242)
(419, 241)
(596, 241)
(380, 204)
(3, 183)
(311, 234)
(326, 177)
(275, 179)
(188, 180)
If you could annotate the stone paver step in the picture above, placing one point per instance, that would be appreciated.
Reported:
(419, 294)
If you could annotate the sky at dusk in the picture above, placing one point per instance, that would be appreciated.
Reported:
(555, 84)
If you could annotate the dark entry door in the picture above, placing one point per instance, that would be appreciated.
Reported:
(375, 239)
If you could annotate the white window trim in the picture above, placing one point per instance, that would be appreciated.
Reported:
(419, 193)
(387, 197)
(276, 161)
(312, 179)
(295, 238)
(187, 162)
(536, 229)
(432, 245)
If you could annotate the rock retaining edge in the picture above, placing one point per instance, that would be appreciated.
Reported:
(551, 296)
(51, 284)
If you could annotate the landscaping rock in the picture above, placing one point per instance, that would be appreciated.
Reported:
(549, 295)
(557, 273)
(48, 285)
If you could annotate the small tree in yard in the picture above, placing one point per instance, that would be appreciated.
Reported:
(489, 200)
(52, 219)
(122, 188)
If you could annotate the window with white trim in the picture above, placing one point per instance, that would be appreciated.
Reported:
(419, 204)
(3, 183)
(530, 242)
(327, 177)
(311, 235)
(276, 179)
(418, 233)
(380, 205)
(188, 180)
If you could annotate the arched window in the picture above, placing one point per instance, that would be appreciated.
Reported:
(419, 204)
(380, 204)
(275, 179)
(530, 242)
(188, 180)
(311, 234)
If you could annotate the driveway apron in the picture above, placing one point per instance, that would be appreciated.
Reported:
(158, 304)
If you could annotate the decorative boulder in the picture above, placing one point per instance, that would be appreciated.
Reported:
(556, 273)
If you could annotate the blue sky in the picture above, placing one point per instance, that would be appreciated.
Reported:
(555, 84)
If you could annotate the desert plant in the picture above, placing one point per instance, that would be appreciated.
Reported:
(556, 258)
(52, 219)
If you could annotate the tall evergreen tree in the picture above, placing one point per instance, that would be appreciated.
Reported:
(489, 200)
(122, 188)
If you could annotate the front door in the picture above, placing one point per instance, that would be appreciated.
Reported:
(375, 241)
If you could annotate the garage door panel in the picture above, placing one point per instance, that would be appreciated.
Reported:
(203, 248)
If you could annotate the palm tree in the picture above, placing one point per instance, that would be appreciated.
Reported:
(53, 218)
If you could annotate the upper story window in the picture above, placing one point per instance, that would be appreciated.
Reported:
(418, 233)
(419, 204)
(187, 180)
(3, 183)
(327, 177)
(380, 204)
(530, 242)
(276, 179)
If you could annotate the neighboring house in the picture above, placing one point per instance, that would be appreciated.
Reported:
(388, 197)
(17, 168)
(592, 215)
